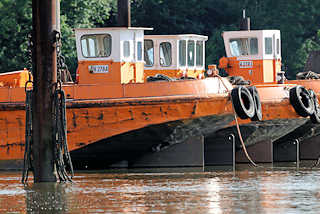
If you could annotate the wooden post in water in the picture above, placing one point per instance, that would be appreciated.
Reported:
(45, 23)
(124, 13)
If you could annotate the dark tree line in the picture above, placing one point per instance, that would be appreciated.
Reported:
(298, 20)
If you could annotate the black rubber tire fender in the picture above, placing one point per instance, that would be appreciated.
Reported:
(243, 103)
(257, 103)
(301, 101)
(315, 117)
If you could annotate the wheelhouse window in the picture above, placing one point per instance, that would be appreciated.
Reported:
(278, 46)
(98, 45)
(268, 45)
(182, 52)
(148, 52)
(165, 54)
(199, 53)
(107, 44)
(190, 53)
(243, 46)
(139, 51)
(253, 46)
(126, 48)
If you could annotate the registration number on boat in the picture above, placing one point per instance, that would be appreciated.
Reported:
(98, 69)
(245, 64)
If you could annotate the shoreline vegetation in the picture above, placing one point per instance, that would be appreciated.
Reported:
(298, 21)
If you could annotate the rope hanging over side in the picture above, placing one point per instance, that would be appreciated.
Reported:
(63, 73)
(62, 158)
(28, 159)
(238, 126)
(27, 163)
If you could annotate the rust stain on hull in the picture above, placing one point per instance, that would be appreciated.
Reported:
(101, 120)
(92, 120)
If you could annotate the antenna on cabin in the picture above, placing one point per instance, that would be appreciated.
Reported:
(245, 22)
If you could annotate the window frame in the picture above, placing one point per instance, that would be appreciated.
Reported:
(193, 53)
(144, 51)
(265, 45)
(141, 51)
(201, 53)
(110, 41)
(124, 49)
(96, 44)
(170, 64)
(185, 52)
(248, 46)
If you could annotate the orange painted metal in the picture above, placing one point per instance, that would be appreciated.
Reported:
(14, 79)
(308, 84)
(254, 73)
(274, 102)
(92, 118)
(258, 73)
(117, 100)
(119, 72)
(313, 84)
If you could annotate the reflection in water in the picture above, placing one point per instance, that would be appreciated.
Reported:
(276, 190)
(46, 198)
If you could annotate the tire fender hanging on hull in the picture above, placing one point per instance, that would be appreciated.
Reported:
(257, 104)
(243, 102)
(301, 101)
(315, 117)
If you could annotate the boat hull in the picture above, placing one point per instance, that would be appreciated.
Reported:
(92, 121)
(115, 125)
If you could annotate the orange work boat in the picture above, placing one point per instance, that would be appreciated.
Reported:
(255, 56)
(122, 105)
(111, 96)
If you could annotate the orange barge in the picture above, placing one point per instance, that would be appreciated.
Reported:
(255, 56)
(123, 106)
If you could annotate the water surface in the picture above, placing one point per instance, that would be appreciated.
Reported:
(247, 190)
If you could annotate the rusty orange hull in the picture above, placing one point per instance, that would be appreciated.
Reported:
(279, 118)
(309, 129)
(92, 117)
(308, 84)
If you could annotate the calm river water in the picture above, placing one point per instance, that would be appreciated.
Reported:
(247, 190)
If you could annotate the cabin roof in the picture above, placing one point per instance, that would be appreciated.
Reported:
(244, 32)
(112, 28)
(179, 36)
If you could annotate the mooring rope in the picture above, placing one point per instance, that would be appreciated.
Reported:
(237, 125)
(27, 163)
(28, 158)
(61, 152)
(62, 158)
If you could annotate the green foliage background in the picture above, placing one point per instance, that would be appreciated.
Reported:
(298, 20)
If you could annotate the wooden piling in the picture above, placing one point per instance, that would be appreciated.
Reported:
(45, 16)
(124, 14)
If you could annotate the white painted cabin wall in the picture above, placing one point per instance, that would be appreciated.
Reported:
(118, 37)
